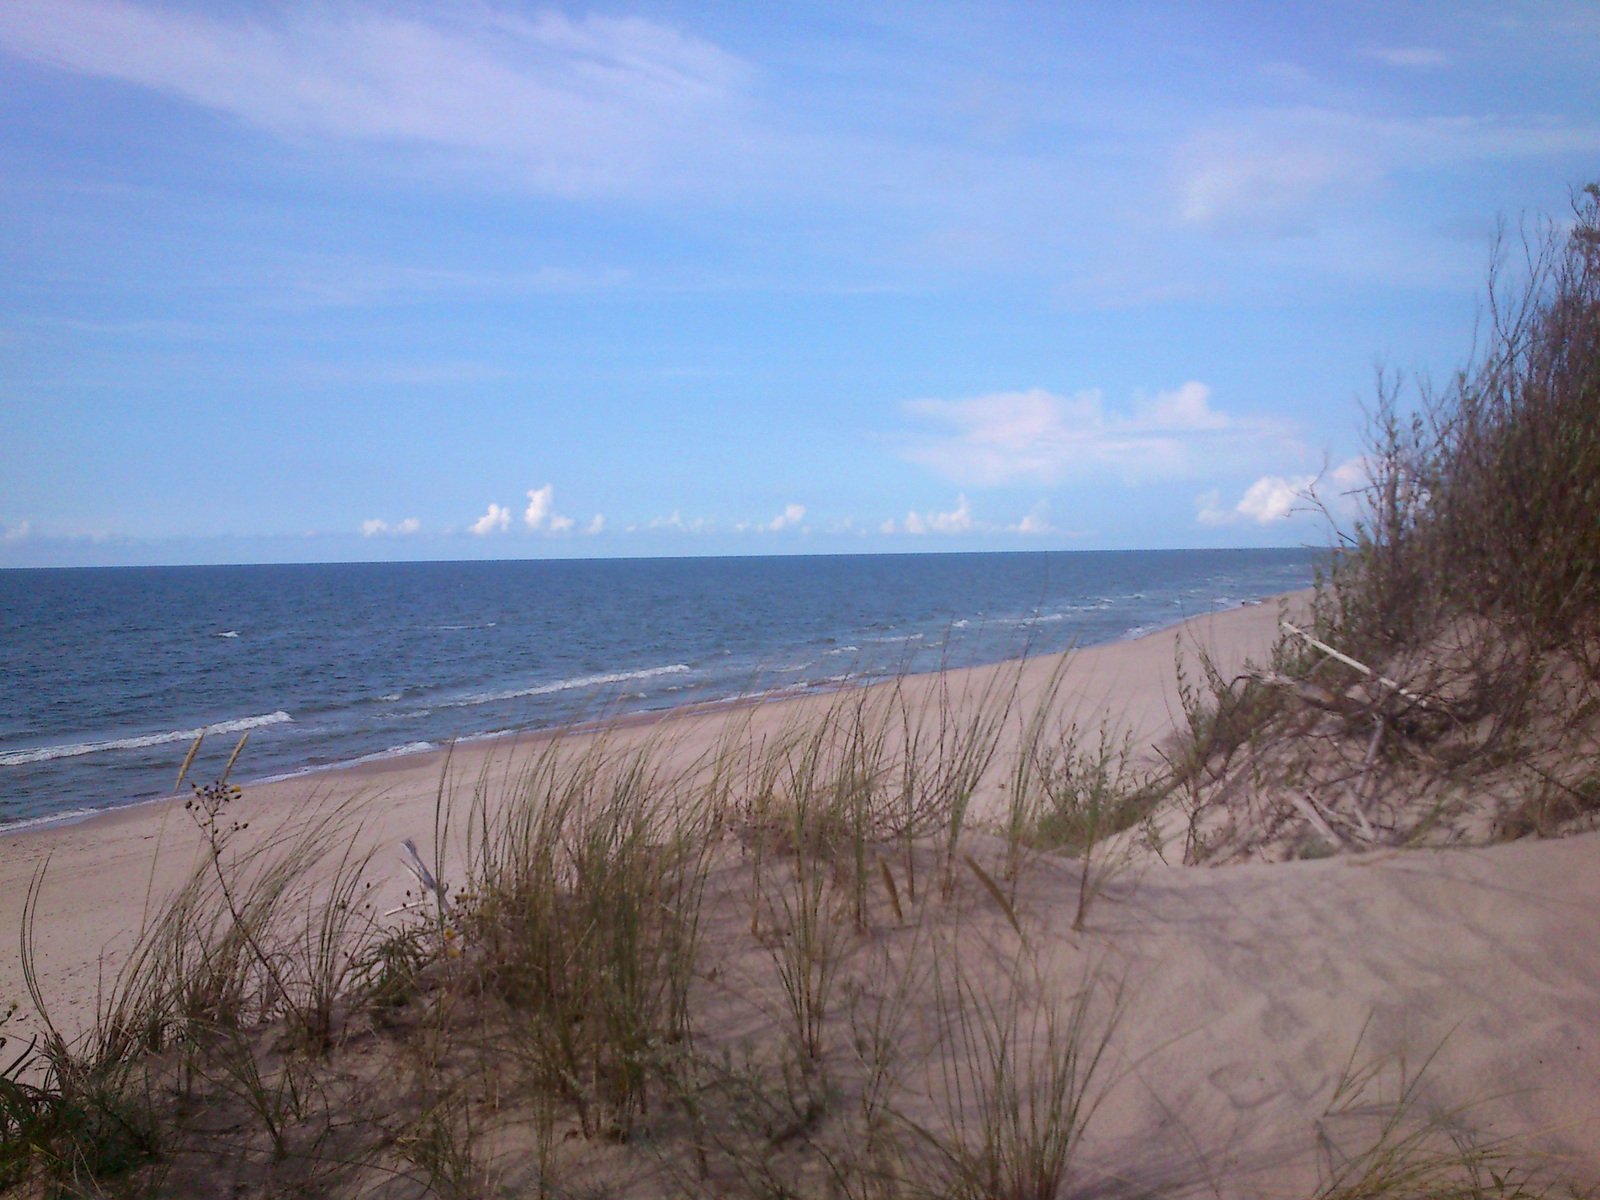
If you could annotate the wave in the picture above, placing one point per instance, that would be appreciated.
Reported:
(564, 685)
(61, 818)
(391, 752)
(229, 633)
(21, 758)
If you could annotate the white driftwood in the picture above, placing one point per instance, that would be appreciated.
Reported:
(1350, 662)
(1313, 694)
(414, 864)
(1360, 795)
(1310, 813)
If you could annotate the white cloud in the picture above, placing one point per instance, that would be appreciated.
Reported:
(541, 514)
(1272, 497)
(20, 532)
(495, 520)
(1036, 522)
(376, 528)
(957, 520)
(1351, 475)
(1006, 437)
(1269, 499)
(571, 105)
(791, 516)
(537, 514)
(1270, 187)
(676, 524)
(1209, 510)
(1188, 407)
(596, 525)
(1285, 170)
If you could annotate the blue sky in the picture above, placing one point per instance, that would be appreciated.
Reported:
(377, 280)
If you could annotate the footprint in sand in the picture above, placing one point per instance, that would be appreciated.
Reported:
(1244, 1086)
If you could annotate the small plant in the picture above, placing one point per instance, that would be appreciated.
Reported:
(441, 1146)
(385, 974)
(1401, 1150)
(805, 947)
(1019, 1083)
(69, 1114)
(1084, 794)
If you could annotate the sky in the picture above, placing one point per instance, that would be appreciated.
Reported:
(371, 280)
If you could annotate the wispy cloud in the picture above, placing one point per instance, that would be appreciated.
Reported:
(1413, 57)
(1007, 437)
(312, 281)
(574, 106)
(20, 532)
(676, 523)
(379, 528)
(1036, 522)
(1283, 170)
(791, 516)
(957, 520)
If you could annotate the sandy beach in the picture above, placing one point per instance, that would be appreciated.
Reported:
(1248, 989)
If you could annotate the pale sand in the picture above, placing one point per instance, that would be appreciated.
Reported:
(1248, 986)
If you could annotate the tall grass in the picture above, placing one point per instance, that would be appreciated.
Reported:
(585, 926)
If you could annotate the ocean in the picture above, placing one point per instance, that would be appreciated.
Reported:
(107, 675)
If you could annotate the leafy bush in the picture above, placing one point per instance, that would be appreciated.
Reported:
(1486, 500)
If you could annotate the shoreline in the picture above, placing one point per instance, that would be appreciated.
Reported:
(402, 757)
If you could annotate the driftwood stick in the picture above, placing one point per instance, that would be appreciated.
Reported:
(1350, 662)
(413, 863)
(1366, 777)
(1309, 811)
(1313, 694)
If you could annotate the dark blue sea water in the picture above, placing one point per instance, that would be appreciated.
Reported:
(106, 675)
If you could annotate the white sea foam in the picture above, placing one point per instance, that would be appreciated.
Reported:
(229, 633)
(392, 752)
(565, 685)
(22, 758)
(60, 818)
(320, 768)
